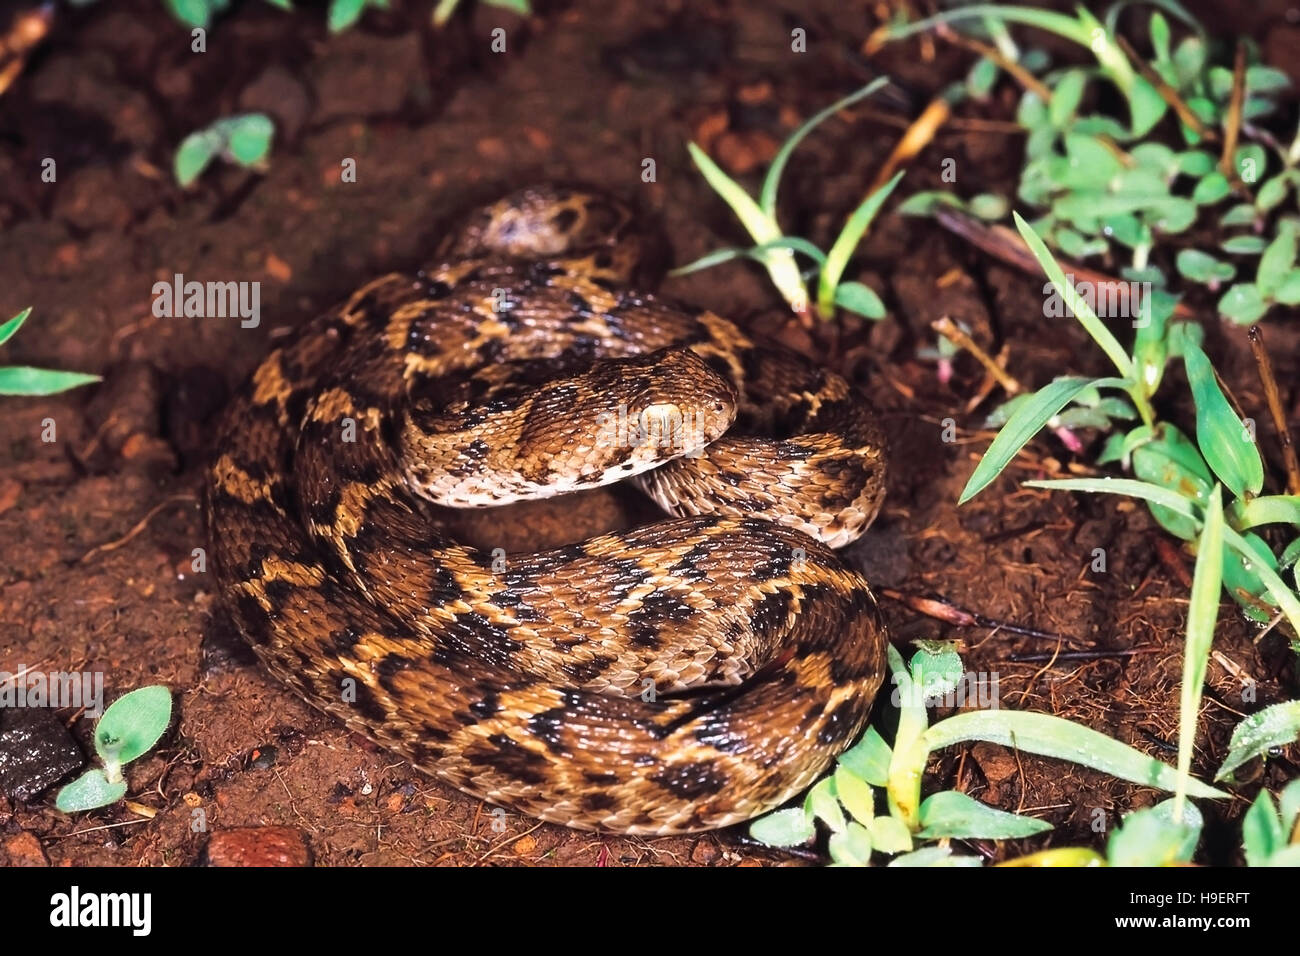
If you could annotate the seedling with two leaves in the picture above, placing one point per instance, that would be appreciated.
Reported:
(242, 140)
(128, 729)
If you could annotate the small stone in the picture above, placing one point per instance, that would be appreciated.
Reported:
(36, 751)
(705, 852)
(258, 846)
(263, 758)
(23, 849)
(10, 489)
(525, 845)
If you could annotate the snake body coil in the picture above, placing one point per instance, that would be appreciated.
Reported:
(681, 676)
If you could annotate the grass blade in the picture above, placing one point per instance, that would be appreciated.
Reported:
(761, 227)
(1026, 422)
(1056, 737)
(1202, 615)
(838, 258)
(1077, 305)
(1226, 444)
(8, 330)
(25, 380)
(772, 181)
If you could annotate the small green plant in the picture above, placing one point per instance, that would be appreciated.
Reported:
(775, 250)
(1176, 477)
(1271, 835)
(446, 9)
(1103, 189)
(128, 729)
(1258, 734)
(243, 140)
(896, 772)
(25, 380)
(341, 14)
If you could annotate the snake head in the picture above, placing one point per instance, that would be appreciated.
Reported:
(671, 404)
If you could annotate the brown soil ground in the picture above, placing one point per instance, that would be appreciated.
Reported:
(97, 527)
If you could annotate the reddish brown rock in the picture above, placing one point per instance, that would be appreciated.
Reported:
(258, 846)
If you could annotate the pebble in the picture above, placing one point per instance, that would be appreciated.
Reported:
(258, 846)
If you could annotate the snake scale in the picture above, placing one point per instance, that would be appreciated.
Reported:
(680, 676)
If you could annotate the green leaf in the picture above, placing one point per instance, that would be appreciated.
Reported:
(859, 298)
(1200, 267)
(1243, 245)
(1243, 303)
(1155, 837)
(1272, 192)
(931, 856)
(1274, 726)
(855, 794)
(1261, 830)
(10, 328)
(1111, 450)
(343, 14)
(194, 13)
(1088, 155)
(1202, 616)
(1276, 263)
(1229, 449)
(980, 79)
(889, 835)
(1266, 79)
(1269, 509)
(783, 828)
(1066, 96)
(1195, 162)
(248, 138)
(772, 181)
(133, 723)
(1157, 157)
(838, 258)
(1288, 292)
(1242, 214)
(926, 202)
(1159, 33)
(823, 804)
(1055, 737)
(25, 380)
(1242, 579)
(88, 792)
(851, 847)
(936, 671)
(951, 813)
(1211, 189)
(1026, 422)
(989, 207)
(1290, 805)
(1074, 302)
(195, 153)
(1173, 462)
(869, 758)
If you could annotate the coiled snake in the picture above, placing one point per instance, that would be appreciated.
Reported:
(681, 676)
